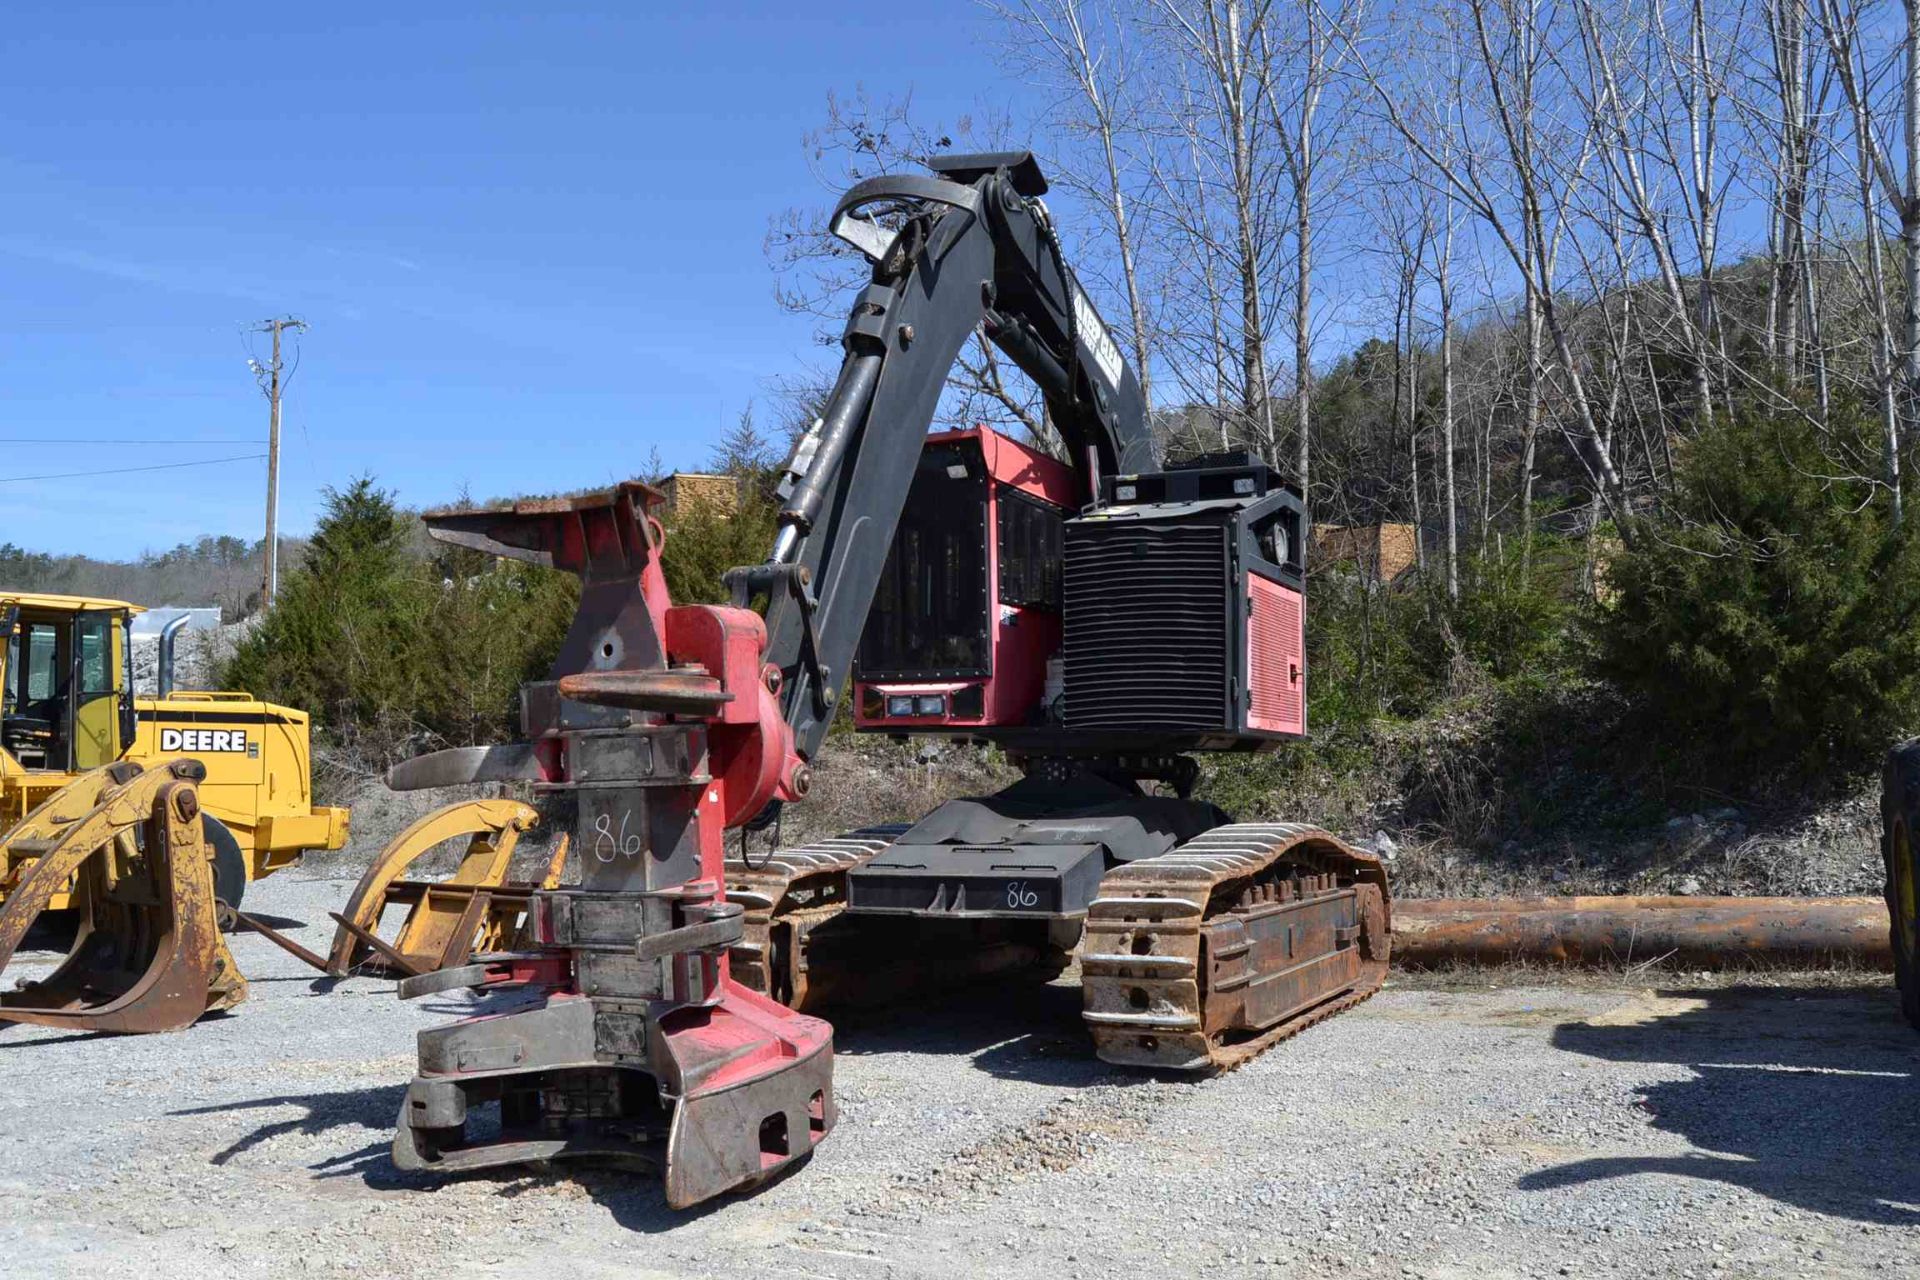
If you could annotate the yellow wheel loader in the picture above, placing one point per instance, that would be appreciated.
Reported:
(68, 712)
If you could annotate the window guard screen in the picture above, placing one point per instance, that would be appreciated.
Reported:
(1031, 549)
(929, 614)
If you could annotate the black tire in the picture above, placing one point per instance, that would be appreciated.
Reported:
(229, 864)
(1899, 830)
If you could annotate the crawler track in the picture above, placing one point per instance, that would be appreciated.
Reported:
(1206, 956)
(1199, 959)
(787, 895)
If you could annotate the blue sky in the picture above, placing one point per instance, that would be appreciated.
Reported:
(527, 238)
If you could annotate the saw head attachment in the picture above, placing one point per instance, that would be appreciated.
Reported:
(658, 728)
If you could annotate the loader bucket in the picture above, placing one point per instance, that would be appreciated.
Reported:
(473, 911)
(148, 955)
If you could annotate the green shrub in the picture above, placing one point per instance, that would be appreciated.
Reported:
(392, 653)
(1765, 625)
(492, 626)
(336, 639)
(703, 542)
(1401, 651)
(398, 645)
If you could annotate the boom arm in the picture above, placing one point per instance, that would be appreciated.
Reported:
(972, 247)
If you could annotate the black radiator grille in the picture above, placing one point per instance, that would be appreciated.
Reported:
(1147, 626)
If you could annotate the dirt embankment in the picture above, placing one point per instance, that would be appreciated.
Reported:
(1725, 849)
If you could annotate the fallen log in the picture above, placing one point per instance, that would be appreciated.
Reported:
(1706, 933)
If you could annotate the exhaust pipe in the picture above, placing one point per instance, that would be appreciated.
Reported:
(163, 679)
(1706, 933)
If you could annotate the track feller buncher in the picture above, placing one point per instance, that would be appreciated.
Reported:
(1100, 618)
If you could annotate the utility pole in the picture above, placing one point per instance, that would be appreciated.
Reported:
(272, 383)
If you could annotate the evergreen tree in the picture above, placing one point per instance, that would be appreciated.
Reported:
(1770, 628)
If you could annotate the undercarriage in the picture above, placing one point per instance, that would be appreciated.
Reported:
(1202, 942)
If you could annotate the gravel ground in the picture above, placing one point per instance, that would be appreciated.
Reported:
(1460, 1129)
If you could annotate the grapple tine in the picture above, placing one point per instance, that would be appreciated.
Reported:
(437, 915)
(232, 919)
(149, 955)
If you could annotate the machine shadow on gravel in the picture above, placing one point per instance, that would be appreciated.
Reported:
(1013, 1029)
(1807, 1098)
(372, 1108)
(635, 1200)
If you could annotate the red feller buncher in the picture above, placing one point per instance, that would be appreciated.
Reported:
(1100, 619)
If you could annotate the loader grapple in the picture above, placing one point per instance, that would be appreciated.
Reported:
(148, 955)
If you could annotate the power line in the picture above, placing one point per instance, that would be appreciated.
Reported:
(91, 440)
(121, 471)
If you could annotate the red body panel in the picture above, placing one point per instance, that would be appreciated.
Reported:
(1011, 463)
(751, 741)
(1276, 657)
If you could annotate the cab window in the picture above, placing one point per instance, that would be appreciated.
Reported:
(95, 638)
(40, 643)
(1031, 551)
(929, 614)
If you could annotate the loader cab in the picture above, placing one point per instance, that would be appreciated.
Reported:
(967, 612)
(66, 683)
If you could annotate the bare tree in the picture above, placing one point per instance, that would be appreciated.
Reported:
(1491, 161)
(1223, 125)
(1443, 280)
(1081, 48)
(1841, 26)
(1298, 69)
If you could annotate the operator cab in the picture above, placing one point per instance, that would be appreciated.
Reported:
(1167, 616)
(967, 613)
(1096, 643)
(66, 686)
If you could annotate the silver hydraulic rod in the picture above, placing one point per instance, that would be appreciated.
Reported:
(846, 410)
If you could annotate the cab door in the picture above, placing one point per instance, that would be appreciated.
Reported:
(9, 660)
(99, 656)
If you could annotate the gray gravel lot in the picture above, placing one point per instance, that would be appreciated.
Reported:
(1585, 1130)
